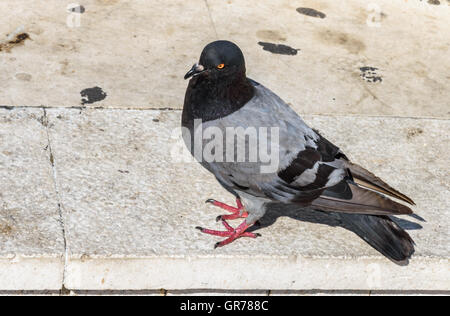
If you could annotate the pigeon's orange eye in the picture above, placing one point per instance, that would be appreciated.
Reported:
(220, 66)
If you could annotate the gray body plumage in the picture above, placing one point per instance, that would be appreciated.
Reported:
(266, 110)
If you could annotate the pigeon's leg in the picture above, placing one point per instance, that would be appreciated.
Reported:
(236, 212)
(231, 233)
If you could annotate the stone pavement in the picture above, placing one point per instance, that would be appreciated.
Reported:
(96, 197)
(92, 199)
(388, 58)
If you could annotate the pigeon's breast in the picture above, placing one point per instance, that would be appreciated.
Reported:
(264, 124)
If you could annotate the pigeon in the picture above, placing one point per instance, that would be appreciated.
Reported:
(311, 172)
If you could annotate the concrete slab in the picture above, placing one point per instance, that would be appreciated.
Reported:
(387, 58)
(130, 210)
(334, 70)
(213, 292)
(31, 235)
(135, 52)
(320, 293)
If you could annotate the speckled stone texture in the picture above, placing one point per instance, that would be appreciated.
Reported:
(121, 46)
(130, 210)
(361, 58)
(31, 235)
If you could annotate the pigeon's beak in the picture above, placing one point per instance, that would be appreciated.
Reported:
(195, 70)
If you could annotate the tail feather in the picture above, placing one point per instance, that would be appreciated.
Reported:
(382, 234)
(367, 179)
(362, 206)
(360, 201)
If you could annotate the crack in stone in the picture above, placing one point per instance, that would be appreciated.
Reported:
(61, 217)
(211, 19)
(169, 109)
(12, 107)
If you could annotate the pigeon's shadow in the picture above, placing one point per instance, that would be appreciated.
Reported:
(276, 210)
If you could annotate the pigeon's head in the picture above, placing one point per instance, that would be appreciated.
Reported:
(219, 59)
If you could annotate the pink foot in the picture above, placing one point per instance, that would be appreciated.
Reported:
(236, 212)
(231, 233)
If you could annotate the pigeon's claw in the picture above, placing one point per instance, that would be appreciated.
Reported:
(227, 207)
(231, 217)
(236, 212)
(230, 232)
